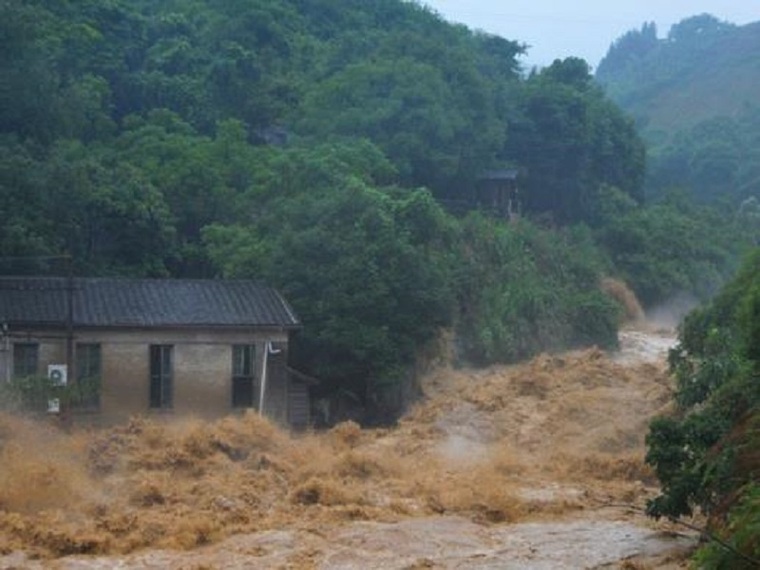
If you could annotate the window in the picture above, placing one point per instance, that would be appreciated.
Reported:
(25, 359)
(161, 376)
(244, 393)
(86, 390)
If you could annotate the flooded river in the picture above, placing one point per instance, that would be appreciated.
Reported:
(532, 466)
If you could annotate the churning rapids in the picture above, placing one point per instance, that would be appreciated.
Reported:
(532, 466)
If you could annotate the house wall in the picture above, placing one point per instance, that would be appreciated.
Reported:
(5, 359)
(277, 385)
(202, 369)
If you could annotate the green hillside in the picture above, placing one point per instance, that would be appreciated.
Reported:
(704, 68)
(724, 85)
(336, 149)
(693, 95)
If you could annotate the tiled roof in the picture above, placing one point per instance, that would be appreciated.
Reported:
(113, 302)
(504, 174)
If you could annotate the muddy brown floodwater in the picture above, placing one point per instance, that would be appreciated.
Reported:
(532, 466)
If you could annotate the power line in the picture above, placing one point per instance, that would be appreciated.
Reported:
(40, 257)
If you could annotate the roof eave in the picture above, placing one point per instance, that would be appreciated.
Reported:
(63, 325)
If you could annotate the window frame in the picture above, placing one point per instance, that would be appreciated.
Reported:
(161, 371)
(89, 373)
(26, 371)
(243, 390)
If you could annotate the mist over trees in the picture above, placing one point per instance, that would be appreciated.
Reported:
(693, 95)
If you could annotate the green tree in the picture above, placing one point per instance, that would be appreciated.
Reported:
(359, 264)
(626, 51)
(571, 140)
(106, 214)
(521, 290)
(201, 179)
(673, 247)
(705, 453)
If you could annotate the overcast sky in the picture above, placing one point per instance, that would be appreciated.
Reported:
(583, 28)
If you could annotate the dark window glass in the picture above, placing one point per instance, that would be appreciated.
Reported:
(86, 391)
(25, 359)
(161, 389)
(244, 392)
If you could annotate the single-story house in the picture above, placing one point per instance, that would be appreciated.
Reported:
(154, 346)
(497, 192)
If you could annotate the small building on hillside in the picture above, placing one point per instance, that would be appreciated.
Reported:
(154, 346)
(497, 192)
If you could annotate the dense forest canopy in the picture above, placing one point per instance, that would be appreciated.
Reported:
(319, 146)
(693, 94)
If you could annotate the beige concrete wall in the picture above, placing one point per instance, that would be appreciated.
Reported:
(125, 379)
(203, 378)
(202, 369)
(51, 353)
(276, 397)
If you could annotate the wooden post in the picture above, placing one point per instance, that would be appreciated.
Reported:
(64, 411)
(69, 318)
